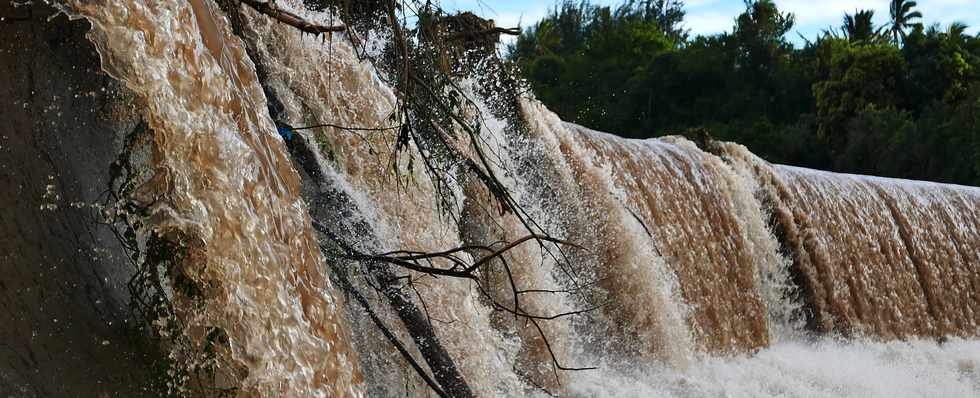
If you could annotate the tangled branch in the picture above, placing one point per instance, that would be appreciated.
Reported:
(435, 116)
(411, 260)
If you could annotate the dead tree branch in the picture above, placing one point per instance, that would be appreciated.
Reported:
(487, 32)
(269, 8)
(359, 298)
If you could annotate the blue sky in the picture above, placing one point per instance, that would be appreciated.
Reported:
(715, 16)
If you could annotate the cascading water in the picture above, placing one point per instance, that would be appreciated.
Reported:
(705, 272)
(896, 259)
(876, 256)
(659, 179)
(223, 188)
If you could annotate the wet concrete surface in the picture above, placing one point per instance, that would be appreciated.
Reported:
(65, 324)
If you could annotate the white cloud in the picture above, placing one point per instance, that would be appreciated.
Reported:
(524, 18)
(709, 23)
(828, 11)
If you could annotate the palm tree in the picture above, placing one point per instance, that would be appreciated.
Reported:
(957, 30)
(859, 27)
(902, 16)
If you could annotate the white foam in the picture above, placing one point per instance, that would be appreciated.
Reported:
(825, 368)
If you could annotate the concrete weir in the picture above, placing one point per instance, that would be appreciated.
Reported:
(65, 325)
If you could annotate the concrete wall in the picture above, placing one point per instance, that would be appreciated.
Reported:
(64, 317)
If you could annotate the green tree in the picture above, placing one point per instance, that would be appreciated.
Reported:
(760, 36)
(591, 64)
(902, 17)
(668, 14)
(957, 31)
(859, 27)
(943, 64)
(861, 77)
(879, 141)
(948, 140)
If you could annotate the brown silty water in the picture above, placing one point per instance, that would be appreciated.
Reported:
(677, 240)
(526, 280)
(224, 190)
(323, 81)
(891, 258)
(685, 202)
(645, 317)
(874, 256)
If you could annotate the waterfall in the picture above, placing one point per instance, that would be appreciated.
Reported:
(907, 265)
(224, 190)
(683, 270)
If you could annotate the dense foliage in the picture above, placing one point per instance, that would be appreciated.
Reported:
(900, 100)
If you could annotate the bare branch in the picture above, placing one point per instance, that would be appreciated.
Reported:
(339, 127)
(349, 288)
(269, 8)
(487, 32)
(515, 243)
